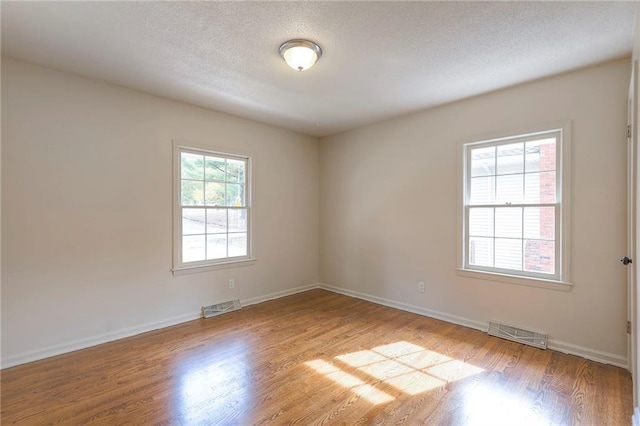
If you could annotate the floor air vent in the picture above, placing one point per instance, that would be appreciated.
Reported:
(519, 335)
(221, 308)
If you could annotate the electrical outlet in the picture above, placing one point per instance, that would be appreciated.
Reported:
(232, 283)
(420, 287)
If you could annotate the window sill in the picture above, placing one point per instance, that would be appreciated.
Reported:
(512, 279)
(213, 267)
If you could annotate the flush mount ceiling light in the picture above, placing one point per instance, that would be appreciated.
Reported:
(300, 54)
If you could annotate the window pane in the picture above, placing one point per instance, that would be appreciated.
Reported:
(481, 222)
(509, 189)
(540, 222)
(548, 187)
(235, 195)
(215, 169)
(235, 171)
(216, 246)
(193, 221)
(531, 158)
(508, 254)
(512, 204)
(237, 245)
(540, 187)
(481, 251)
(193, 248)
(540, 155)
(191, 166)
(192, 193)
(532, 187)
(238, 220)
(540, 256)
(213, 207)
(483, 161)
(510, 158)
(214, 193)
(509, 222)
(216, 221)
(482, 190)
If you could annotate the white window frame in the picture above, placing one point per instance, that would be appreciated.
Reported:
(561, 280)
(179, 267)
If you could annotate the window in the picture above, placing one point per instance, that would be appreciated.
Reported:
(211, 209)
(514, 210)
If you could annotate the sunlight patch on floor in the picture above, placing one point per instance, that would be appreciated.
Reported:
(454, 370)
(346, 380)
(491, 405)
(407, 367)
(361, 358)
(210, 388)
(397, 349)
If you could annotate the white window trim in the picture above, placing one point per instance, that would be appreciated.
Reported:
(563, 168)
(192, 267)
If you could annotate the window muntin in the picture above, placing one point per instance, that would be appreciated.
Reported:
(513, 206)
(213, 208)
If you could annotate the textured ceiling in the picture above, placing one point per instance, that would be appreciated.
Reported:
(380, 59)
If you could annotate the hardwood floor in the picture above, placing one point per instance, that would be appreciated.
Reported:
(315, 358)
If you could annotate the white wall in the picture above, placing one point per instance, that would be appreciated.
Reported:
(86, 211)
(390, 196)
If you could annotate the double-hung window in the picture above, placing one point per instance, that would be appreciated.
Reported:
(515, 206)
(212, 211)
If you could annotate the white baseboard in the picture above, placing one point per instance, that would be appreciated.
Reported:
(588, 353)
(592, 354)
(96, 340)
(278, 294)
(635, 419)
(408, 308)
(132, 331)
(568, 348)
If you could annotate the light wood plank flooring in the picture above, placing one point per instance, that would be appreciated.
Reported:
(315, 358)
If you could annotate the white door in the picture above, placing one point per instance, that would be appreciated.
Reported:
(632, 211)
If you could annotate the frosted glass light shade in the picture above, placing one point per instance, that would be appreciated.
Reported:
(300, 57)
(300, 54)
